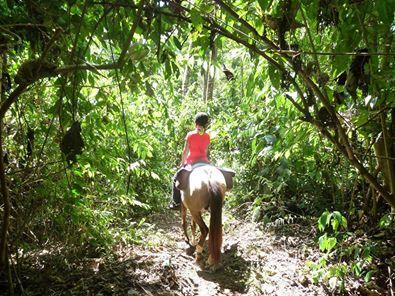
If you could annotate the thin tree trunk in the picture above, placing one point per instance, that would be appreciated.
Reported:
(4, 254)
(211, 73)
(391, 135)
(384, 145)
(187, 73)
(4, 191)
(388, 134)
(205, 72)
(389, 168)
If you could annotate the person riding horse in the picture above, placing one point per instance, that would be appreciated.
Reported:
(199, 186)
(195, 151)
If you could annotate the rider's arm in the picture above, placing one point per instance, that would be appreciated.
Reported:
(185, 153)
(208, 148)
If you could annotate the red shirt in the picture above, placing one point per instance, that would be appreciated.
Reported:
(198, 145)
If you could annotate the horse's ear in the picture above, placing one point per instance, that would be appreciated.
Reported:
(182, 179)
(228, 174)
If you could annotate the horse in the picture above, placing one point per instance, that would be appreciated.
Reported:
(203, 187)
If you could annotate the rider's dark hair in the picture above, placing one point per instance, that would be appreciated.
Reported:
(201, 119)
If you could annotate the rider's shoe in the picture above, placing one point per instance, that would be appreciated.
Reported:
(174, 206)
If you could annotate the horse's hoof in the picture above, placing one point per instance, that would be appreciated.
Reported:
(198, 257)
(190, 250)
(209, 261)
(214, 268)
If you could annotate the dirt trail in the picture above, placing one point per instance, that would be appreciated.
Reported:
(256, 262)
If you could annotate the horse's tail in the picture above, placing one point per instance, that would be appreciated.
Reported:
(215, 236)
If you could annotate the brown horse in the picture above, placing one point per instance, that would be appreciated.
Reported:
(202, 188)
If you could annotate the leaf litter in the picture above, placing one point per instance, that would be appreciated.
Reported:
(256, 260)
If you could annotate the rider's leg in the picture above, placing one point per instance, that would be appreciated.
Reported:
(176, 198)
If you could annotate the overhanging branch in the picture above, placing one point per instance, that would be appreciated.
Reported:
(21, 88)
(346, 149)
(246, 24)
(136, 21)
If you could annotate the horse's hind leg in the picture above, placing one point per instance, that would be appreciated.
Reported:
(184, 221)
(197, 217)
(193, 230)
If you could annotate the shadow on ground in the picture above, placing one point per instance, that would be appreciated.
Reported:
(234, 274)
(56, 274)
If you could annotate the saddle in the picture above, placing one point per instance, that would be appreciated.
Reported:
(182, 176)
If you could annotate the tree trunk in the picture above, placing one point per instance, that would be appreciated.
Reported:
(383, 164)
(211, 73)
(187, 73)
(391, 135)
(205, 72)
(389, 171)
(384, 146)
(4, 191)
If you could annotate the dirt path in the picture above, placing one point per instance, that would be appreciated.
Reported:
(256, 262)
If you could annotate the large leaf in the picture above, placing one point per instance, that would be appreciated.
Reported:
(196, 19)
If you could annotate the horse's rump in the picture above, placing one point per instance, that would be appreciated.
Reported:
(182, 176)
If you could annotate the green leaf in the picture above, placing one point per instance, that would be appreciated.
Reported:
(335, 224)
(168, 69)
(263, 4)
(155, 176)
(253, 145)
(250, 85)
(274, 76)
(344, 222)
(331, 243)
(368, 276)
(338, 219)
(323, 242)
(196, 19)
(357, 268)
(324, 220)
(385, 10)
(385, 221)
(177, 43)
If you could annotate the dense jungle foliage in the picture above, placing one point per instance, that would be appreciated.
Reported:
(97, 97)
